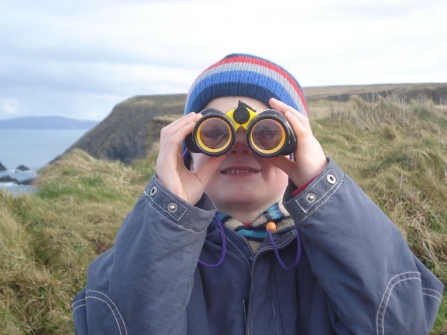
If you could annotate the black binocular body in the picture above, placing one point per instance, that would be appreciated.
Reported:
(269, 133)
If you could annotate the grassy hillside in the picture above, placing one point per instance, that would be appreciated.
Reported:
(396, 151)
(437, 92)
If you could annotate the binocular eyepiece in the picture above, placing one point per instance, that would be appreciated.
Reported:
(269, 133)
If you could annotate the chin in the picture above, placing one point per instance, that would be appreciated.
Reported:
(246, 199)
(247, 195)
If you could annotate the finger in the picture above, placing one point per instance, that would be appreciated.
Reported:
(278, 105)
(180, 120)
(173, 127)
(184, 125)
(298, 128)
(283, 163)
(207, 170)
(172, 140)
(283, 108)
(299, 123)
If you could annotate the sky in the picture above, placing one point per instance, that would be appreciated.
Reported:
(80, 58)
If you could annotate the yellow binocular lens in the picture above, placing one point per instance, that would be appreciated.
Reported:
(268, 133)
(214, 135)
(267, 136)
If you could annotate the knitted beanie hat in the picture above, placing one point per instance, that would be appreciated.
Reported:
(245, 75)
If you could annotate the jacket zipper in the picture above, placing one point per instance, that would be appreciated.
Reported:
(251, 258)
(250, 299)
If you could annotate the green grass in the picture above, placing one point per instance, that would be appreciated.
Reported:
(395, 150)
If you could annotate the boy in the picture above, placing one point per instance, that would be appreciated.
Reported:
(294, 248)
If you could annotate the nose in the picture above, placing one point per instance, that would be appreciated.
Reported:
(240, 145)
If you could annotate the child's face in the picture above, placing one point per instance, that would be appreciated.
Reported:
(243, 179)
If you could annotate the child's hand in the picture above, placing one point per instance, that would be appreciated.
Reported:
(171, 170)
(310, 159)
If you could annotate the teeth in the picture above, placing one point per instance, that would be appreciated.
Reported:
(237, 171)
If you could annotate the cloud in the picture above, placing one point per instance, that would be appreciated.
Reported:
(80, 58)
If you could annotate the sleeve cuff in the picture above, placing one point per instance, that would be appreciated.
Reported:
(302, 187)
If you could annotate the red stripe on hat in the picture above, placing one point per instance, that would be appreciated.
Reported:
(264, 63)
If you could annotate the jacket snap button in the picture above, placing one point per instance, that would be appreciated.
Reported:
(172, 207)
(153, 191)
(311, 197)
(331, 179)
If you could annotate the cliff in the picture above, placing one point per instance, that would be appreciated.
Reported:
(124, 134)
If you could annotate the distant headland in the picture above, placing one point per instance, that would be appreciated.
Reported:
(46, 122)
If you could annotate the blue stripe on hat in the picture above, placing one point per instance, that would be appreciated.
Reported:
(246, 83)
(264, 69)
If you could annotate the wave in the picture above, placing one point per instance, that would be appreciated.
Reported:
(15, 187)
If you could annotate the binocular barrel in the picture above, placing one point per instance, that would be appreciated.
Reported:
(269, 133)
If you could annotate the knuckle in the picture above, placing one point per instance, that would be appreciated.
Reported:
(172, 141)
(163, 131)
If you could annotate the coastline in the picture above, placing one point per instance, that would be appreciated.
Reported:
(34, 149)
(23, 183)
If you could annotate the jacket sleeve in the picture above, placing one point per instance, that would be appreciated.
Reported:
(143, 283)
(374, 283)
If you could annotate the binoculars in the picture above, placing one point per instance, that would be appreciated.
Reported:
(269, 133)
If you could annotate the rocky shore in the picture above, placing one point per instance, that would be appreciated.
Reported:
(13, 176)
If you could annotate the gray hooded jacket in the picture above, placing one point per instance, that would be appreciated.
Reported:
(356, 275)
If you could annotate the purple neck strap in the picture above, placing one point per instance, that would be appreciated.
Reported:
(298, 249)
(224, 245)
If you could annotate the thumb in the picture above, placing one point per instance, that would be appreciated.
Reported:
(283, 163)
(207, 170)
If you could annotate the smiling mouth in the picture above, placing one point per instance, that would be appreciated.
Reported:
(238, 171)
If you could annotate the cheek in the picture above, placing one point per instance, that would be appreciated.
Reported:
(276, 179)
(280, 179)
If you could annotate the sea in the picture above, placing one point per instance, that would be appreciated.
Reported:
(33, 148)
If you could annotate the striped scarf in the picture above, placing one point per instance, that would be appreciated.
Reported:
(256, 232)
